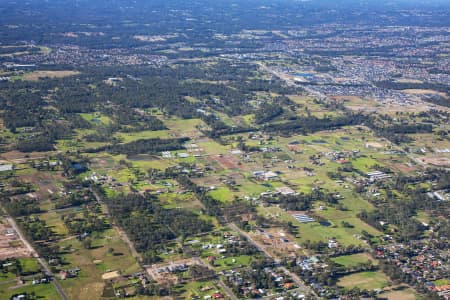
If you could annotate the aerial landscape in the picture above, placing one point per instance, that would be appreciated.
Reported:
(224, 149)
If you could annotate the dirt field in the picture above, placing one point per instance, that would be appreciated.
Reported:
(403, 168)
(208, 181)
(34, 76)
(10, 244)
(110, 275)
(422, 92)
(437, 161)
(20, 157)
(400, 293)
(227, 162)
(160, 275)
(376, 145)
(370, 105)
(277, 242)
(45, 182)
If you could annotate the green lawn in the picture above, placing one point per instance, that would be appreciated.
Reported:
(365, 164)
(222, 194)
(89, 284)
(228, 263)
(440, 282)
(147, 134)
(364, 280)
(354, 260)
(29, 265)
(41, 291)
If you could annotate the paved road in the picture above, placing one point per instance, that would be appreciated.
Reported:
(40, 259)
(320, 95)
(302, 287)
(227, 290)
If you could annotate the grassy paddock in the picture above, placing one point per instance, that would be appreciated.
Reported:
(36, 75)
(364, 280)
(354, 260)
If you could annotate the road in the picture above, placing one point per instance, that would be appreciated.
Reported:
(41, 261)
(227, 290)
(220, 282)
(123, 236)
(320, 95)
(301, 285)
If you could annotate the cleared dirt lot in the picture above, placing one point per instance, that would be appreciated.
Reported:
(10, 244)
(437, 161)
(34, 76)
(277, 242)
(161, 274)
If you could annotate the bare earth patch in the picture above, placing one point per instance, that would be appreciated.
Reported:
(110, 275)
(10, 244)
(375, 145)
(20, 157)
(399, 295)
(423, 92)
(437, 161)
(34, 76)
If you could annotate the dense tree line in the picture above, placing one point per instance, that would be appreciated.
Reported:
(22, 207)
(148, 224)
(90, 221)
(144, 146)
(395, 85)
(310, 124)
(267, 112)
(302, 201)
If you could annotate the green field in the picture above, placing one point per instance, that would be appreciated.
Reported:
(440, 282)
(29, 265)
(222, 194)
(364, 280)
(96, 118)
(354, 260)
(41, 291)
(89, 284)
(147, 134)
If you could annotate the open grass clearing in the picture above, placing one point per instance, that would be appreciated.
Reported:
(405, 294)
(96, 118)
(199, 289)
(89, 284)
(315, 232)
(440, 282)
(184, 127)
(42, 291)
(54, 221)
(29, 265)
(354, 259)
(222, 194)
(228, 263)
(365, 280)
(36, 75)
(127, 137)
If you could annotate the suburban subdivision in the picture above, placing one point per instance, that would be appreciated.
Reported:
(224, 149)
